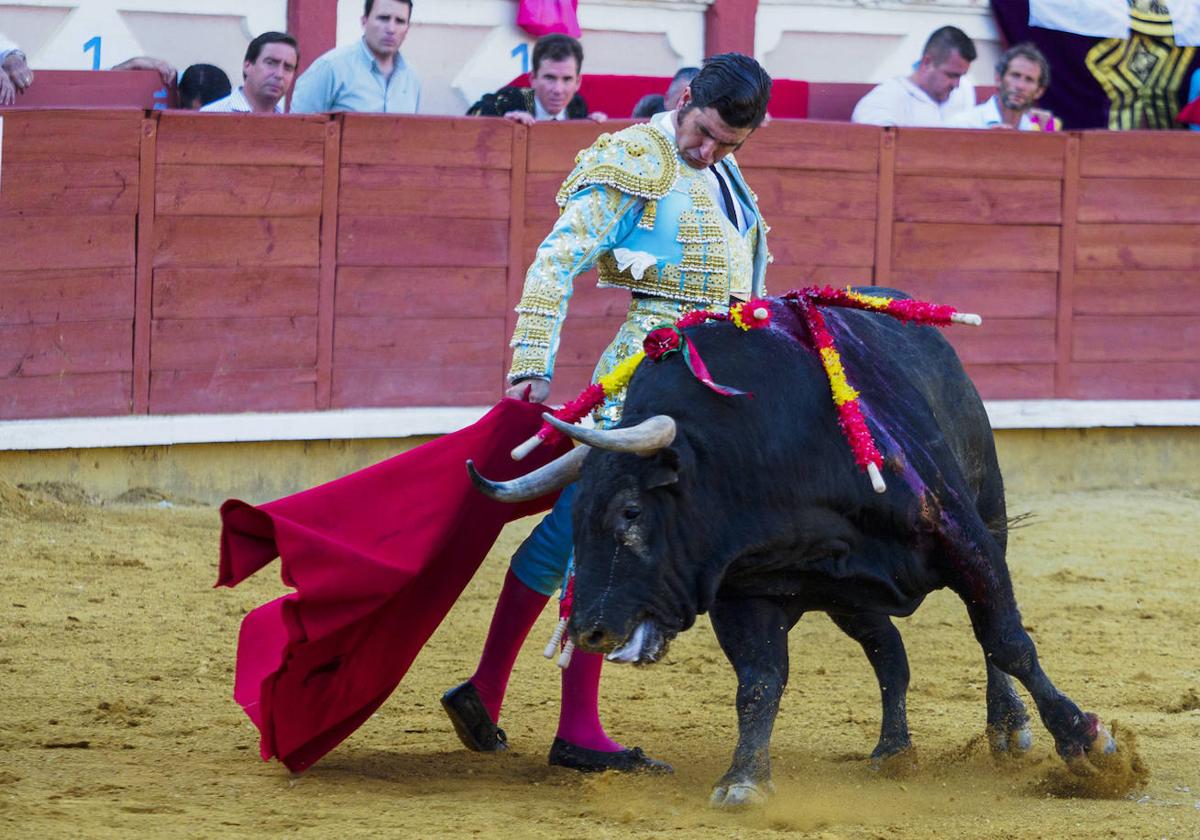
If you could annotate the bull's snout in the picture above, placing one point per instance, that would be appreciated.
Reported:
(593, 638)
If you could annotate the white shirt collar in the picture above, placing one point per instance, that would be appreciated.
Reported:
(665, 122)
(996, 118)
(540, 113)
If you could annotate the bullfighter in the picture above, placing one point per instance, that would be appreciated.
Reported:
(662, 210)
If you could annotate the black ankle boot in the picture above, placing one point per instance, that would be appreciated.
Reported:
(471, 720)
(632, 760)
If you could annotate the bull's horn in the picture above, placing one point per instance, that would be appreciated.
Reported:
(645, 438)
(553, 476)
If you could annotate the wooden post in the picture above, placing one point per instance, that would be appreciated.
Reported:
(729, 26)
(516, 235)
(1065, 299)
(143, 286)
(314, 24)
(327, 285)
(886, 186)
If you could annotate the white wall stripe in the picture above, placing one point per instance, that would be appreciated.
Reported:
(354, 424)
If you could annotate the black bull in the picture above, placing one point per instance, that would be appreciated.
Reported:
(752, 509)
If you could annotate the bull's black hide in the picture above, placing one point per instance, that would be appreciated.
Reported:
(757, 513)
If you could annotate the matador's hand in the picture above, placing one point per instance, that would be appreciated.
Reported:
(531, 390)
(8, 93)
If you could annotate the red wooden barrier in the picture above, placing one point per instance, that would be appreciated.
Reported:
(97, 89)
(68, 210)
(190, 263)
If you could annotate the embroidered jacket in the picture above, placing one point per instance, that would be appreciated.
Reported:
(650, 224)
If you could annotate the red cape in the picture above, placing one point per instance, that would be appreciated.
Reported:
(377, 559)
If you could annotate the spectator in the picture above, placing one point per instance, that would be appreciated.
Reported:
(369, 75)
(15, 75)
(201, 84)
(679, 82)
(557, 63)
(165, 70)
(933, 94)
(653, 103)
(649, 105)
(1022, 76)
(267, 73)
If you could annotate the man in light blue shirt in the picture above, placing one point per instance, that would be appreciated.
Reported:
(368, 75)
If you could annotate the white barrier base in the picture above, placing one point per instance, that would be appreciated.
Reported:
(360, 423)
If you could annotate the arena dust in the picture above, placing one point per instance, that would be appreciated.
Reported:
(116, 656)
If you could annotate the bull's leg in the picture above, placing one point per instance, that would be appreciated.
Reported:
(981, 580)
(884, 648)
(1007, 721)
(753, 634)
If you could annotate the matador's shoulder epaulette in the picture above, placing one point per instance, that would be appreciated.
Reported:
(639, 160)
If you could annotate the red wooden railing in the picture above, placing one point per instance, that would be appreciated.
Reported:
(176, 262)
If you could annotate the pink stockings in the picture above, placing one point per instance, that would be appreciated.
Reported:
(517, 610)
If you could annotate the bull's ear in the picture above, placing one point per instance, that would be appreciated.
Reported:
(665, 469)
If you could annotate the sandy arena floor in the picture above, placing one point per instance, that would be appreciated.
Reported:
(116, 662)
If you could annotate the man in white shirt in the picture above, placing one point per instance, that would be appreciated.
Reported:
(936, 91)
(15, 75)
(367, 76)
(267, 74)
(1022, 76)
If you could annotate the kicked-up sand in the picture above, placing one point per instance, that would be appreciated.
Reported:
(116, 720)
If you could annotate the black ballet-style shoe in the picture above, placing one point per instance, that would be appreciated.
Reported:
(563, 754)
(471, 720)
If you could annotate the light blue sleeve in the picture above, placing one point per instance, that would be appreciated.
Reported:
(594, 221)
(314, 89)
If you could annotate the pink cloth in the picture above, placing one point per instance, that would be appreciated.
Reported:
(376, 558)
(542, 17)
(1190, 112)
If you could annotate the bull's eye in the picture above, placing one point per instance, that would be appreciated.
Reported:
(631, 512)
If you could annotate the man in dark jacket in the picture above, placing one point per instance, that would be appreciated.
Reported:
(553, 94)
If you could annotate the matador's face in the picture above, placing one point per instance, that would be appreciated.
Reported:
(703, 138)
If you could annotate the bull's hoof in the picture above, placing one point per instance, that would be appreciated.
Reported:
(739, 795)
(1012, 742)
(1110, 768)
(1089, 762)
(896, 764)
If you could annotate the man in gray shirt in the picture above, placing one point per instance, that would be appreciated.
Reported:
(369, 75)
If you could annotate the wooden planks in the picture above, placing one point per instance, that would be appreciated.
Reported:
(240, 139)
(423, 245)
(238, 190)
(973, 200)
(1135, 319)
(68, 205)
(237, 238)
(799, 144)
(1140, 154)
(175, 262)
(976, 247)
(381, 140)
(973, 154)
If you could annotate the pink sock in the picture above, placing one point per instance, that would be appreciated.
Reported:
(517, 608)
(579, 714)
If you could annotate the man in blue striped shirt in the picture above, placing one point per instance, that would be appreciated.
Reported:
(369, 75)
(267, 74)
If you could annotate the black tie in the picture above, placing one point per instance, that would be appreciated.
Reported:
(726, 196)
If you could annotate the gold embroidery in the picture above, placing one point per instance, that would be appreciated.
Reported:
(649, 216)
(639, 161)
